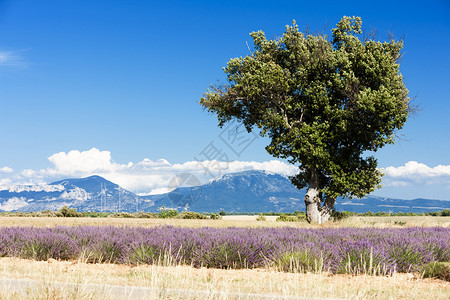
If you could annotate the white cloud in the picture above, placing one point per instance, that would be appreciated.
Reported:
(6, 170)
(86, 161)
(28, 173)
(414, 172)
(154, 176)
(143, 177)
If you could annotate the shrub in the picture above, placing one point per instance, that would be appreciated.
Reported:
(260, 217)
(190, 215)
(368, 214)
(94, 214)
(222, 213)
(440, 270)
(287, 218)
(167, 213)
(338, 216)
(49, 213)
(400, 223)
(122, 215)
(215, 216)
(445, 213)
(146, 215)
(69, 212)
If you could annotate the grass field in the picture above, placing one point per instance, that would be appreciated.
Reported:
(227, 221)
(171, 281)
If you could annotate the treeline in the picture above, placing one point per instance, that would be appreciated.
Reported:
(337, 214)
(165, 213)
(443, 213)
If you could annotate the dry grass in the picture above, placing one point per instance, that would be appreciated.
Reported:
(227, 221)
(175, 282)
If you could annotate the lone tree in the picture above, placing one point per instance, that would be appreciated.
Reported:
(323, 103)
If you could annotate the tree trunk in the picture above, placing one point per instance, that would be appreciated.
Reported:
(312, 199)
(315, 213)
(327, 209)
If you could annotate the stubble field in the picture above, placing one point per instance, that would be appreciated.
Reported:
(229, 221)
(168, 279)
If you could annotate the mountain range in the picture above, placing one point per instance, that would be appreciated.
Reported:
(249, 191)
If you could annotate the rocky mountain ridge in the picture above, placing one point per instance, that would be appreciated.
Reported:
(249, 191)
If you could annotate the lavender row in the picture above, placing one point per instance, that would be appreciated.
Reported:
(338, 250)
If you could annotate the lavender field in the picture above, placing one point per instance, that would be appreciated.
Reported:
(337, 250)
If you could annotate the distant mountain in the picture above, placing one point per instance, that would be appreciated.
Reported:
(93, 193)
(376, 204)
(260, 191)
(249, 191)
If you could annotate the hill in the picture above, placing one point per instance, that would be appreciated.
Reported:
(249, 191)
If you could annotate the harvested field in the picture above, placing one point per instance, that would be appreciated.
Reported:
(227, 221)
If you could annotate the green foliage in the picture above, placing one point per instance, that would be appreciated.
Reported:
(287, 218)
(215, 216)
(338, 216)
(69, 212)
(122, 215)
(167, 213)
(145, 254)
(95, 214)
(322, 102)
(190, 215)
(399, 223)
(299, 262)
(222, 213)
(445, 213)
(260, 217)
(300, 215)
(146, 215)
(440, 270)
(48, 213)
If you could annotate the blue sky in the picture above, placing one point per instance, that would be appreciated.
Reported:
(124, 78)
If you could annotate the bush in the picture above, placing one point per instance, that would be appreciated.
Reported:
(146, 215)
(190, 215)
(222, 213)
(69, 212)
(338, 216)
(122, 215)
(438, 270)
(445, 213)
(167, 213)
(49, 213)
(260, 217)
(94, 214)
(215, 216)
(287, 218)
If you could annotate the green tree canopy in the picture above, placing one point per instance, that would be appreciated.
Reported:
(323, 102)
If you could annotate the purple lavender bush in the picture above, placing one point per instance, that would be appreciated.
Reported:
(337, 250)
